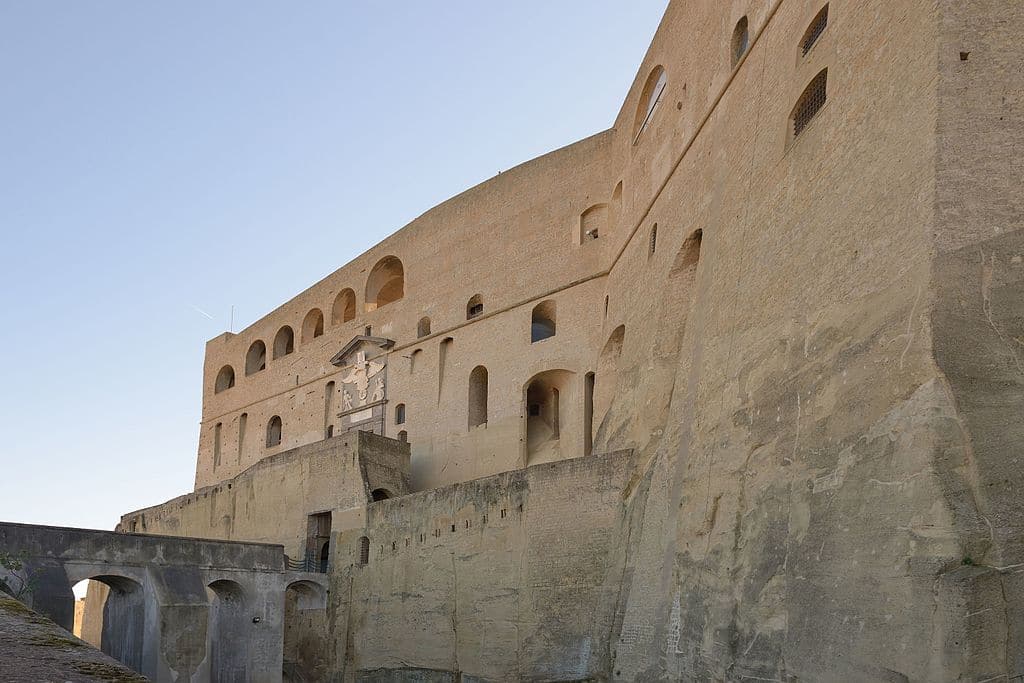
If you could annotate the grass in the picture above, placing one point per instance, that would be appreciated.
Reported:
(108, 672)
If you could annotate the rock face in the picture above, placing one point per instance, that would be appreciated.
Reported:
(33, 648)
(775, 431)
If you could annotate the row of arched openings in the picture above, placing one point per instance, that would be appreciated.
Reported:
(542, 319)
(384, 285)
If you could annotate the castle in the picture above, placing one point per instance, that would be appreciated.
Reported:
(733, 390)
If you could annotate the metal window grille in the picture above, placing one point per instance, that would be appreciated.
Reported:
(815, 30)
(364, 550)
(810, 102)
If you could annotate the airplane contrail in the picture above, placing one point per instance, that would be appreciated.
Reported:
(199, 310)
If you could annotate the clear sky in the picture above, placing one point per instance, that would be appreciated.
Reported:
(163, 161)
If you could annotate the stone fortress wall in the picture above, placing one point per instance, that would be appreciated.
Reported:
(807, 341)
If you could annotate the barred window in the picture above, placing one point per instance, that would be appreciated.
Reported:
(810, 102)
(814, 31)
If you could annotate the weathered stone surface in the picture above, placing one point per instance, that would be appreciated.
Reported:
(33, 648)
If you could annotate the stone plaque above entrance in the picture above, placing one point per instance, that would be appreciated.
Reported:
(363, 381)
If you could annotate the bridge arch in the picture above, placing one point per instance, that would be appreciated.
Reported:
(124, 608)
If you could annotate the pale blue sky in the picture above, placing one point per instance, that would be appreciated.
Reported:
(158, 157)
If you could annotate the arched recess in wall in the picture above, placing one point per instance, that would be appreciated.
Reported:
(677, 300)
(275, 430)
(615, 207)
(739, 42)
(477, 403)
(380, 494)
(593, 223)
(542, 321)
(474, 307)
(656, 384)
(227, 633)
(225, 379)
(385, 284)
(606, 379)
(312, 325)
(423, 327)
(547, 397)
(305, 663)
(650, 98)
(403, 436)
(284, 342)
(256, 357)
(344, 308)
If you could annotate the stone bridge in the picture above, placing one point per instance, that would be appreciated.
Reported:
(179, 609)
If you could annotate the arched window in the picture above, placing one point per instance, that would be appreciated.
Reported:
(810, 103)
(364, 550)
(400, 414)
(740, 41)
(225, 379)
(474, 307)
(650, 97)
(592, 222)
(344, 308)
(653, 243)
(386, 283)
(403, 436)
(284, 342)
(256, 357)
(478, 397)
(814, 30)
(542, 322)
(274, 428)
(423, 327)
(312, 325)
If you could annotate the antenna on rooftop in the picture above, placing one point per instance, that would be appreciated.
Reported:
(231, 324)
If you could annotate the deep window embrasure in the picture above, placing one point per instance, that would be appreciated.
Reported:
(810, 102)
(814, 30)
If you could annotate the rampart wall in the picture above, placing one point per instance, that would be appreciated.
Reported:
(513, 575)
(272, 500)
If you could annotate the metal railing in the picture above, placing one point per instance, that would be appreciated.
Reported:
(309, 563)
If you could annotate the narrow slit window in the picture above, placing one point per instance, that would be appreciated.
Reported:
(740, 40)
